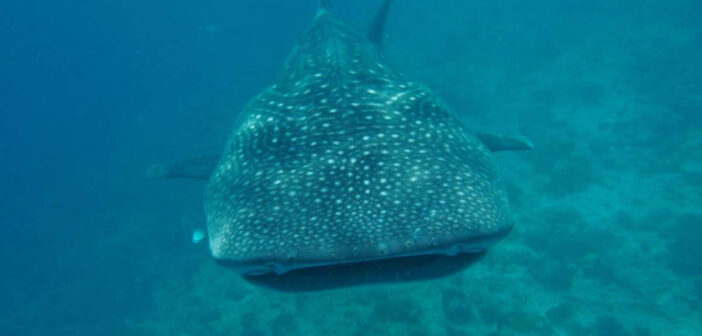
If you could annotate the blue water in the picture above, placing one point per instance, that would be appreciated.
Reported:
(608, 204)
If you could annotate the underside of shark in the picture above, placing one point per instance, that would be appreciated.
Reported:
(344, 173)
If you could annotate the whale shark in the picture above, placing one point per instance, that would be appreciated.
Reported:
(344, 172)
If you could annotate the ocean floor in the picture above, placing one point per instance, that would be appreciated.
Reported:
(608, 204)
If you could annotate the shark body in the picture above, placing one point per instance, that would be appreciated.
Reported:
(344, 172)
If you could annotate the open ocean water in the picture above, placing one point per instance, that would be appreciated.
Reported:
(608, 205)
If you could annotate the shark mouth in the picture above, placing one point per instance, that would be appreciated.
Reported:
(369, 272)
(397, 268)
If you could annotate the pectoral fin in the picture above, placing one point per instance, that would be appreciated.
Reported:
(498, 143)
(198, 168)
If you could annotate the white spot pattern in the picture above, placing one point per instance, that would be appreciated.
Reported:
(343, 159)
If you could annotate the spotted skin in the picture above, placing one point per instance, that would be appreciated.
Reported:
(344, 160)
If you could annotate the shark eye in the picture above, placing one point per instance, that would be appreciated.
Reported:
(382, 249)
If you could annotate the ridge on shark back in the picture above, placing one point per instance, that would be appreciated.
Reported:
(345, 173)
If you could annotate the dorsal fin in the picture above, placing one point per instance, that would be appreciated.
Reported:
(375, 34)
(324, 5)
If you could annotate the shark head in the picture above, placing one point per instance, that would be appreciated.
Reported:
(345, 171)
